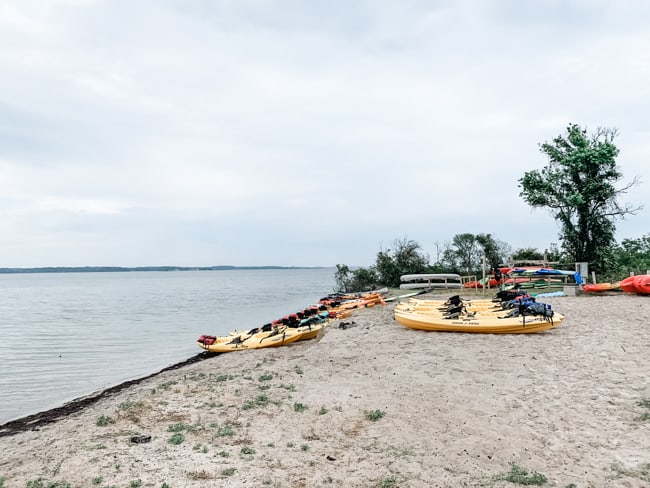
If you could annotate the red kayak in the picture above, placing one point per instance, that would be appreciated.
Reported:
(637, 284)
(627, 285)
(642, 284)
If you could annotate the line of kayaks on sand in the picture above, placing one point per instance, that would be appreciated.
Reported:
(509, 312)
(300, 326)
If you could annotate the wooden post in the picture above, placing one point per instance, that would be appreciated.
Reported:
(484, 276)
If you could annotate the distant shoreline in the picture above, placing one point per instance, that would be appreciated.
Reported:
(118, 269)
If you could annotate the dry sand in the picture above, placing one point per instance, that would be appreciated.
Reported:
(458, 410)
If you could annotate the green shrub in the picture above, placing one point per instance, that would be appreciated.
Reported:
(41, 483)
(387, 483)
(180, 427)
(374, 415)
(177, 438)
(520, 475)
(105, 420)
(128, 405)
(226, 430)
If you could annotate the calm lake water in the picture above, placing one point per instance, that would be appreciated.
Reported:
(67, 335)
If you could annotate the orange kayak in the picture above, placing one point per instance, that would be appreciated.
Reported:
(595, 288)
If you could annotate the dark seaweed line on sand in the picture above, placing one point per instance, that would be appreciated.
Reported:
(33, 422)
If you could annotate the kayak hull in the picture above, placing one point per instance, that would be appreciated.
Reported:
(479, 324)
(249, 341)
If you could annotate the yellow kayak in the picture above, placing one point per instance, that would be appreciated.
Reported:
(485, 324)
(273, 338)
(492, 308)
(308, 332)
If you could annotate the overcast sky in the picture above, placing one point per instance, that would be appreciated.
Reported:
(200, 132)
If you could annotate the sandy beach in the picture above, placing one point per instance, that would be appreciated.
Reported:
(371, 403)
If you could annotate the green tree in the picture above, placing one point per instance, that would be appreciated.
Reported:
(406, 257)
(465, 252)
(342, 276)
(494, 250)
(527, 254)
(360, 279)
(578, 187)
(633, 255)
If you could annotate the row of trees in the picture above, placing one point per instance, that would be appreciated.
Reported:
(578, 187)
(464, 255)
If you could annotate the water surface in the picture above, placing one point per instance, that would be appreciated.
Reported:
(66, 335)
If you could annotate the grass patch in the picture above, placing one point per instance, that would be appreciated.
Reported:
(374, 415)
(299, 370)
(290, 387)
(642, 472)
(322, 411)
(128, 405)
(247, 450)
(163, 386)
(223, 454)
(223, 431)
(135, 483)
(105, 420)
(213, 405)
(266, 377)
(176, 427)
(260, 401)
(200, 475)
(41, 483)
(180, 427)
(176, 439)
(229, 471)
(223, 377)
(299, 407)
(644, 403)
(521, 475)
(387, 482)
(98, 480)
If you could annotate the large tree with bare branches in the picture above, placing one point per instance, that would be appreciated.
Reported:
(578, 186)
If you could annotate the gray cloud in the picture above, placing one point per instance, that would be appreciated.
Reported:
(285, 132)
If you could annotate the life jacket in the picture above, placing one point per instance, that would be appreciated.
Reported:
(207, 340)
